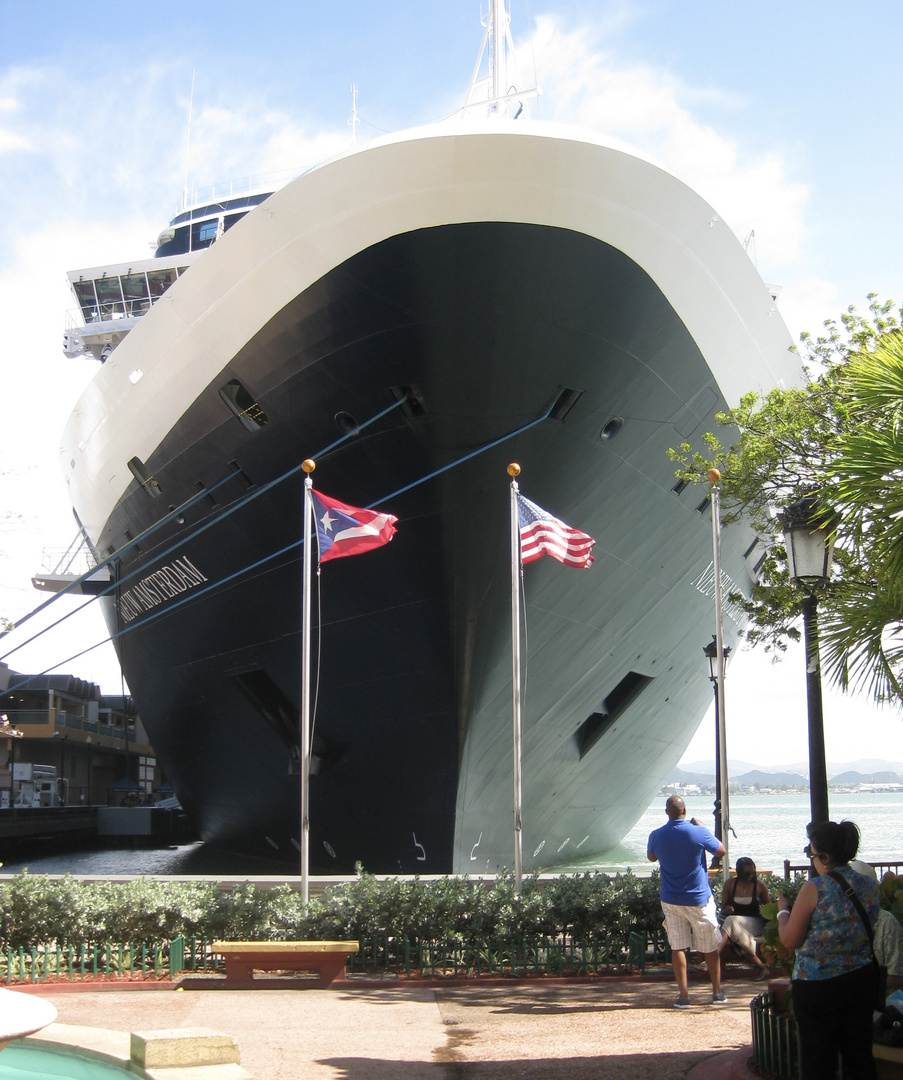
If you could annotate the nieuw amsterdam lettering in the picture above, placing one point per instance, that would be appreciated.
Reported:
(706, 585)
(163, 584)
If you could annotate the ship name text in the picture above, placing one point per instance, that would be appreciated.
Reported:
(706, 585)
(162, 584)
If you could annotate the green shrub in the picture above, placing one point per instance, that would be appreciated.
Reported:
(35, 909)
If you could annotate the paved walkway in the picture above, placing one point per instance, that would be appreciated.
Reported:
(381, 1030)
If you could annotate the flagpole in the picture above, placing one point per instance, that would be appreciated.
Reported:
(308, 465)
(513, 472)
(714, 476)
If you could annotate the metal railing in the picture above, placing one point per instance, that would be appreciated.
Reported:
(455, 957)
(774, 1041)
(449, 958)
(33, 717)
(880, 868)
(212, 193)
(41, 963)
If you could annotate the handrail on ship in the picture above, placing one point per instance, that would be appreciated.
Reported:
(275, 178)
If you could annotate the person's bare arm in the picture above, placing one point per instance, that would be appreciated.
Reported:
(794, 926)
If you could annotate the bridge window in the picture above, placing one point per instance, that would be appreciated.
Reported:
(109, 296)
(158, 281)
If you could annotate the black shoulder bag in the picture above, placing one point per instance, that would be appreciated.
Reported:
(879, 1001)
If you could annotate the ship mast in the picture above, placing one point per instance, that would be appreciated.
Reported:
(493, 91)
(353, 122)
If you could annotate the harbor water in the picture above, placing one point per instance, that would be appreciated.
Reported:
(767, 828)
(772, 828)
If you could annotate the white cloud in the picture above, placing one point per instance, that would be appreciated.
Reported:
(645, 107)
(807, 302)
(10, 141)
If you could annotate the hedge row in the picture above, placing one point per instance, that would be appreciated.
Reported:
(34, 908)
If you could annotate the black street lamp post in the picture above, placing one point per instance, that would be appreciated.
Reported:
(809, 539)
(711, 654)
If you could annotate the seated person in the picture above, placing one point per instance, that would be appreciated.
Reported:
(740, 903)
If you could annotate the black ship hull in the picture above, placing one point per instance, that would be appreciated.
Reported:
(496, 341)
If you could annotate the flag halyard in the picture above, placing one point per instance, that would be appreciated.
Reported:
(348, 530)
(543, 534)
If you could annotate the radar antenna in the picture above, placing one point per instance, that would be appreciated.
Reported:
(493, 91)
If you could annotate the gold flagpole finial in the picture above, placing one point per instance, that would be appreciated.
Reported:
(514, 469)
(714, 475)
(308, 465)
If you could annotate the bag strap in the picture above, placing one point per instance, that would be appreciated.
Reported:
(850, 893)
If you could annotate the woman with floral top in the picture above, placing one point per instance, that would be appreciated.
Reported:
(834, 973)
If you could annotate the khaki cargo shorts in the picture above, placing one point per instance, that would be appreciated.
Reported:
(692, 927)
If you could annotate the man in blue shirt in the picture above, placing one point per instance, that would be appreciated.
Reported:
(691, 920)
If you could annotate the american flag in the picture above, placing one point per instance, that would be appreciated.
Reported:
(542, 534)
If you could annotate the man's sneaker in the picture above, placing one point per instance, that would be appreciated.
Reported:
(682, 1003)
(719, 999)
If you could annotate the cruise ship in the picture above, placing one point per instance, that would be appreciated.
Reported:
(414, 315)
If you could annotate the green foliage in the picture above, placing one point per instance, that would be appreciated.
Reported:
(591, 904)
(775, 954)
(35, 909)
(839, 437)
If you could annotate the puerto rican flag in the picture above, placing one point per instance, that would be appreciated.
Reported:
(347, 530)
(541, 534)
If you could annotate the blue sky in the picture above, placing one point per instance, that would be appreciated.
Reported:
(784, 116)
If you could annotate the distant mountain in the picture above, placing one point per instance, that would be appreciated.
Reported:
(703, 774)
(760, 778)
(866, 766)
(851, 778)
(707, 767)
(685, 776)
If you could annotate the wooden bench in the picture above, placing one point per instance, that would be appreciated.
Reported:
(326, 958)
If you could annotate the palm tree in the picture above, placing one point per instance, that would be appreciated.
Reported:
(861, 631)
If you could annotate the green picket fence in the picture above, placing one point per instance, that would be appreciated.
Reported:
(124, 959)
(135, 959)
(454, 958)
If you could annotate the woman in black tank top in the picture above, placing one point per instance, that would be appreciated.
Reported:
(740, 906)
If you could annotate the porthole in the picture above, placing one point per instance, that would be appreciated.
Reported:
(611, 429)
